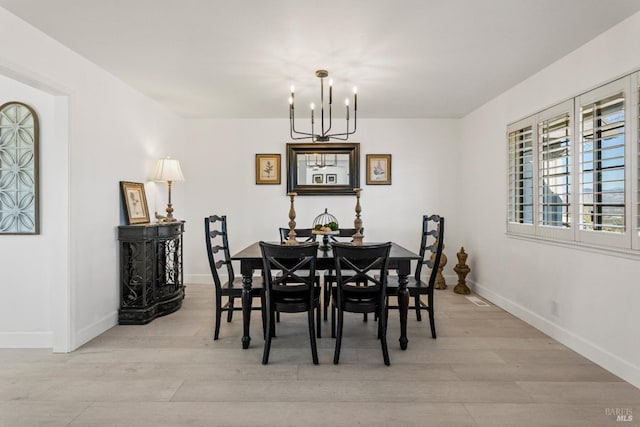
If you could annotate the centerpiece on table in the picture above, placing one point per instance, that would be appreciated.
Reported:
(325, 225)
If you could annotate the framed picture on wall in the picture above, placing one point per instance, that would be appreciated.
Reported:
(268, 169)
(378, 169)
(318, 178)
(135, 202)
(331, 178)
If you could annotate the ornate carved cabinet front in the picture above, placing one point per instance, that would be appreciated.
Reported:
(151, 282)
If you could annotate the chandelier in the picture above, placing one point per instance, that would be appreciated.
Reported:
(323, 135)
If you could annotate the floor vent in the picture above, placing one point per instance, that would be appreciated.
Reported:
(477, 301)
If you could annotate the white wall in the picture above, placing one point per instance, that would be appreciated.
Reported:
(219, 168)
(108, 133)
(20, 281)
(597, 294)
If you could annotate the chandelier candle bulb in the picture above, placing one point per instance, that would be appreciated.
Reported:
(330, 92)
(355, 99)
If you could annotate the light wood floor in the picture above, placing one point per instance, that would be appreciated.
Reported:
(486, 368)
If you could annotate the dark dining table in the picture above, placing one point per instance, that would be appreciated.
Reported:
(251, 260)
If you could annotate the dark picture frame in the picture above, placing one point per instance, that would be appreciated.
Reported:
(378, 169)
(318, 178)
(134, 200)
(295, 174)
(330, 178)
(268, 169)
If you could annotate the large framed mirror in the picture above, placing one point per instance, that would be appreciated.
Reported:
(323, 168)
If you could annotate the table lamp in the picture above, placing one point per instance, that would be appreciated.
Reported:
(168, 170)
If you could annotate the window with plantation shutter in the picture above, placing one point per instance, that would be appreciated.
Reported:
(602, 166)
(602, 188)
(521, 188)
(574, 170)
(554, 169)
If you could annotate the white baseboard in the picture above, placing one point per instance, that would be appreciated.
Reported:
(609, 361)
(42, 339)
(88, 333)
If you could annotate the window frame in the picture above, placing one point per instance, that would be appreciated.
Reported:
(517, 227)
(550, 232)
(627, 241)
(623, 239)
(634, 163)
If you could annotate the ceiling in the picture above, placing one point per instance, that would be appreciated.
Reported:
(238, 58)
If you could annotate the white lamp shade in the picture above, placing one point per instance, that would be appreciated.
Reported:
(168, 169)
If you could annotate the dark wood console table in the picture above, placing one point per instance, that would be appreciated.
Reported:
(150, 271)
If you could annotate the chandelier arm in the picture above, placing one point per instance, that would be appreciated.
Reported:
(301, 137)
(292, 127)
(355, 120)
(347, 133)
(307, 135)
(329, 128)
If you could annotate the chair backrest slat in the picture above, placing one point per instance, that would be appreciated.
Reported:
(345, 235)
(217, 243)
(302, 234)
(431, 251)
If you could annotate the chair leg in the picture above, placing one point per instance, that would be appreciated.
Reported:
(267, 341)
(333, 320)
(336, 353)
(325, 299)
(272, 329)
(432, 320)
(230, 312)
(383, 339)
(416, 300)
(318, 318)
(312, 333)
(263, 309)
(218, 316)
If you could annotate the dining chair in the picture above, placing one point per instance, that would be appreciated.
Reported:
(344, 235)
(431, 244)
(361, 281)
(290, 287)
(302, 234)
(217, 243)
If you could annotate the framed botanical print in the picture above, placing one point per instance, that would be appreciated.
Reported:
(135, 202)
(268, 169)
(378, 169)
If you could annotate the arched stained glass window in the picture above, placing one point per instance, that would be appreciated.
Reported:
(18, 169)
